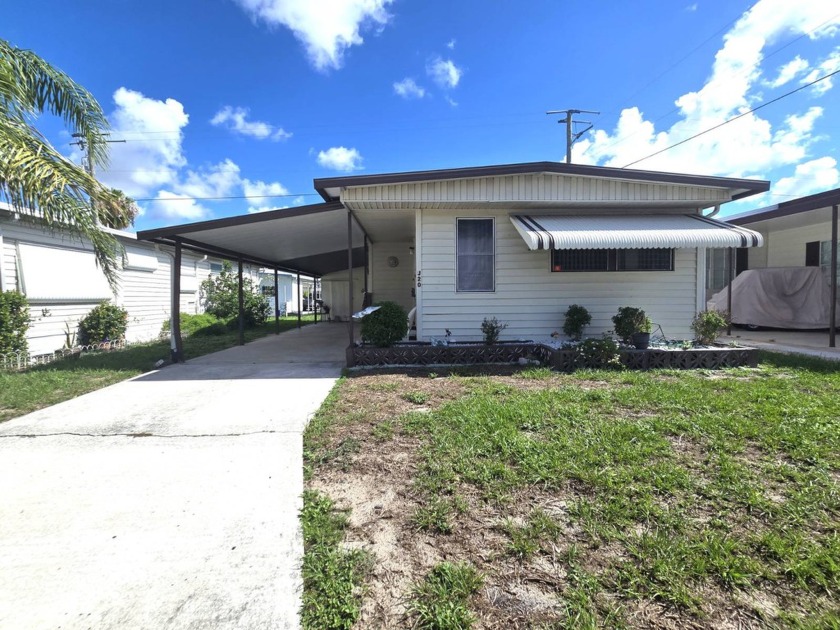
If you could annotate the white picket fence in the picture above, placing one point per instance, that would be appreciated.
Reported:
(17, 361)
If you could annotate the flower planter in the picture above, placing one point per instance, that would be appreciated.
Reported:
(561, 360)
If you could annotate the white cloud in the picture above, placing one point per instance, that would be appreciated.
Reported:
(826, 66)
(326, 28)
(444, 72)
(691, 8)
(749, 146)
(407, 88)
(340, 159)
(790, 71)
(452, 102)
(809, 177)
(171, 205)
(218, 180)
(152, 154)
(451, 44)
(267, 195)
(234, 119)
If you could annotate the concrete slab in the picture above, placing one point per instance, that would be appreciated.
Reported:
(166, 501)
(804, 342)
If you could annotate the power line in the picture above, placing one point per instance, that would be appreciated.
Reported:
(734, 118)
(187, 198)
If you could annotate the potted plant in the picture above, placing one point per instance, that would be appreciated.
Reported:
(633, 326)
(577, 318)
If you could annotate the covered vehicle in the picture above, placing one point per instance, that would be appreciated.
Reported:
(781, 297)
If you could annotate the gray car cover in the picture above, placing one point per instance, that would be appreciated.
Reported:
(781, 297)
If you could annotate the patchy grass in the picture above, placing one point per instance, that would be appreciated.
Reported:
(42, 386)
(441, 600)
(663, 499)
(332, 576)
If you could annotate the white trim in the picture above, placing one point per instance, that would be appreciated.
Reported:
(418, 271)
(700, 304)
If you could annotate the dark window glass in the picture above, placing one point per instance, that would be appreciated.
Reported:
(476, 255)
(612, 260)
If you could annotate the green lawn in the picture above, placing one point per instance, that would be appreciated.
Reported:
(599, 499)
(22, 392)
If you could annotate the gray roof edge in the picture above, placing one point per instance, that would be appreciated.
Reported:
(786, 208)
(750, 186)
(241, 219)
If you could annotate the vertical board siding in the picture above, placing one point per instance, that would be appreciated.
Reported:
(531, 299)
(534, 187)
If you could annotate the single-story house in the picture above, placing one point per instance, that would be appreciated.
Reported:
(796, 233)
(520, 242)
(57, 272)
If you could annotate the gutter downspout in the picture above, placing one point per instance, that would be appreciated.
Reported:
(173, 347)
(712, 213)
(2, 264)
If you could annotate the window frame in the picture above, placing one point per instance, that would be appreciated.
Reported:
(458, 254)
(612, 261)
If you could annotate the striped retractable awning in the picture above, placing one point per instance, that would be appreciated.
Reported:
(630, 232)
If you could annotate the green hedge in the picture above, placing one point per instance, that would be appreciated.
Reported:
(106, 322)
(14, 322)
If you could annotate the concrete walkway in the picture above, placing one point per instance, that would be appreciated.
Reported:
(166, 501)
(804, 342)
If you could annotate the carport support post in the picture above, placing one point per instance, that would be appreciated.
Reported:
(350, 272)
(300, 301)
(729, 290)
(241, 307)
(276, 304)
(832, 324)
(176, 346)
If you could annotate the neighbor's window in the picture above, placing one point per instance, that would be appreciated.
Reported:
(476, 255)
(612, 260)
(825, 261)
(215, 268)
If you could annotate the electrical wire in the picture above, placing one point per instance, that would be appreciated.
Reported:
(734, 118)
(224, 198)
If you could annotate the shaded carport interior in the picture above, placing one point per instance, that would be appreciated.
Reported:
(309, 240)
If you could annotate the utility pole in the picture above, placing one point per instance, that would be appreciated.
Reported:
(83, 145)
(571, 136)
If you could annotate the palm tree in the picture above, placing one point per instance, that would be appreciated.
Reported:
(34, 177)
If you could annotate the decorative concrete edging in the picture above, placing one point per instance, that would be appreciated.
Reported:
(563, 360)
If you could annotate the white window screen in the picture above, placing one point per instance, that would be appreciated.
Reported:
(476, 255)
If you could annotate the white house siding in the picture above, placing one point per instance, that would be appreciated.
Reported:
(530, 188)
(786, 248)
(335, 292)
(146, 295)
(530, 298)
(392, 284)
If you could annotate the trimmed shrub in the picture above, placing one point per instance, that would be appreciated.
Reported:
(601, 353)
(386, 326)
(14, 322)
(106, 322)
(707, 326)
(630, 320)
(221, 298)
(492, 328)
(577, 318)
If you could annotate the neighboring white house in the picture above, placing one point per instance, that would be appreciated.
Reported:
(797, 233)
(520, 242)
(58, 274)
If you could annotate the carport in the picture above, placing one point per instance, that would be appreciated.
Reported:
(311, 240)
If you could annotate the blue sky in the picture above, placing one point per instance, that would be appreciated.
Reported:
(252, 99)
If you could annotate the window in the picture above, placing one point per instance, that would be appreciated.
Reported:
(215, 268)
(476, 255)
(612, 260)
(825, 261)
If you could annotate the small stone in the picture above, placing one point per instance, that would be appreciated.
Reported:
(160, 363)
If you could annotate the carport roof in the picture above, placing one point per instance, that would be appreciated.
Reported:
(311, 239)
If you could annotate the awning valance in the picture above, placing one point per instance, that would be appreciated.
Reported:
(630, 232)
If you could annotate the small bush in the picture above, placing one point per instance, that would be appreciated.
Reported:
(630, 320)
(385, 326)
(220, 295)
(577, 318)
(598, 353)
(491, 328)
(707, 326)
(14, 322)
(106, 322)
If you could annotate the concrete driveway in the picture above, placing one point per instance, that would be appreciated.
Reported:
(166, 501)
